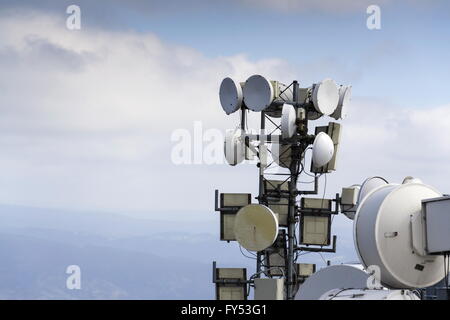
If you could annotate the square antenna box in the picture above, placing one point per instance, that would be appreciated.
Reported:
(235, 200)
(278, 204)
(305, 270)
(316, 204)
(315, 221)
(227, 227)
(269, 289)
(349, 200)
(231, 273)
(315, 230)
(334, 131)
(275, 255)
(275, 185)
(230, 203)
(275, 262)
(230, 283)
(349, 196)
(281, 208)
(436, 215)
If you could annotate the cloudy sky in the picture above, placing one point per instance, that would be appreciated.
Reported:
(87, 115)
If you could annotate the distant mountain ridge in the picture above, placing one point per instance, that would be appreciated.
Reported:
(120, 257)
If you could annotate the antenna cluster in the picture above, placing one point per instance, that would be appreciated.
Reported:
(279, 226)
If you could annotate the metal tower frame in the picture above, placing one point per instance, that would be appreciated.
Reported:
(298, 145)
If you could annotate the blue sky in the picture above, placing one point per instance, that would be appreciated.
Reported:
(87, 115)
(408, 55)
(124, 62)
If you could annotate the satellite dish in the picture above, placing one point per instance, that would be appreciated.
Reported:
(281, 154)
(234, 147)
(231, 96)
(369, 294)
(323, 150)
(326, 96)
(256, 227)
(410, 179)
(288, 121)
(384, 237)
(338, 276)
(258, 93)
(345, 95)
(369, 185)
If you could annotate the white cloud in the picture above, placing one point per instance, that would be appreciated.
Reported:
(87, 115)
(86, 119)
(395, 141)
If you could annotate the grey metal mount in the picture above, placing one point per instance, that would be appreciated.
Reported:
(319, 249)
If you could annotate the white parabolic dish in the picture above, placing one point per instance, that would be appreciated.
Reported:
(366, 294)
(369, 185)
(323, 149)
(383, 236)
(345, 95)
(288, 119)
(234, 148)
(258, 93)
(256, 227)
(231, 96)
(326, 96)
(341, 276)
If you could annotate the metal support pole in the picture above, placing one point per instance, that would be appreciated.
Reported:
(296, 158)
(262, 155)
(243, 118)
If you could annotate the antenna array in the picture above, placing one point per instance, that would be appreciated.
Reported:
(269, 227)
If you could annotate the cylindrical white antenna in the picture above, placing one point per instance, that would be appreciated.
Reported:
(384, 238)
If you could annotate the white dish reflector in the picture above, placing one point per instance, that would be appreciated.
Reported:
(337, 276)
(385, 236)
(345, 95)
(369, 185)
(288, 121)
(231, 96)
(234, 147)
(368, 294)
(256, 227)
(323, 150)
(326, 96)
(258, 93)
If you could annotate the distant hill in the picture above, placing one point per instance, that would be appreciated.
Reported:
(33, 268)
(120, 257)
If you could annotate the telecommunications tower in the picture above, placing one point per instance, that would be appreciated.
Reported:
(284, 219)
(401, 231)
